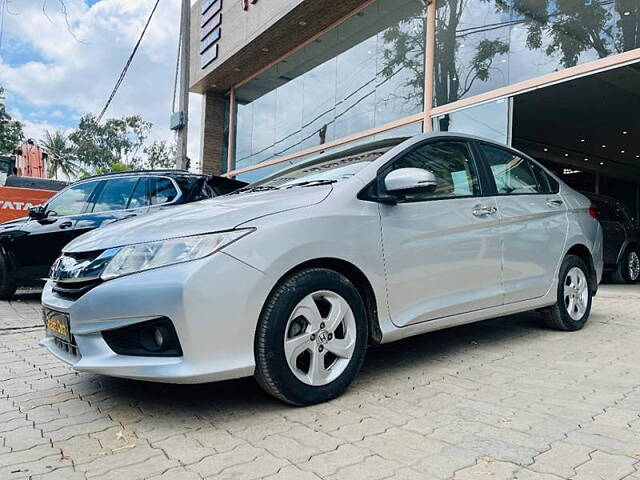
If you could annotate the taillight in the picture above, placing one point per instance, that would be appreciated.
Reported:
(594, 212)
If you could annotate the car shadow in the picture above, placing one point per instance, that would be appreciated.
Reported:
(28, 295)
(244, 396)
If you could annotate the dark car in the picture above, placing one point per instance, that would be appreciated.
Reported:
(30, 245)
(621, 238)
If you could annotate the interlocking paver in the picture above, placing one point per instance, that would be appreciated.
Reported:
(500, 399)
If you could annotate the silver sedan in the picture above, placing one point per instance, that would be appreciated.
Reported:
(290, 279)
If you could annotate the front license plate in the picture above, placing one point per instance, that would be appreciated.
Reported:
(57, 324)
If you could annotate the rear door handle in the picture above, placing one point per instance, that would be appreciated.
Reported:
(554, 203)
(65, 225)
(483, 210)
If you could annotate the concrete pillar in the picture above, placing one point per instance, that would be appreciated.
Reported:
(212, 137)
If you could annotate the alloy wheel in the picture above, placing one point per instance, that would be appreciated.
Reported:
(320, 338)
(576, 293)
(633, 265)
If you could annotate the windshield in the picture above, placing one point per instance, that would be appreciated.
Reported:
(326, 169)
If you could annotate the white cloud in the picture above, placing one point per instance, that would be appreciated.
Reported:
(65, 74)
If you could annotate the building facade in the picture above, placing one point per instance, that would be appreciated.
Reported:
(284, 80)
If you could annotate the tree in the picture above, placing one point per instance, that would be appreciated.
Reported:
(117, 140)
(160, 155)
(60, 153)
(405, 45)
(11, 134)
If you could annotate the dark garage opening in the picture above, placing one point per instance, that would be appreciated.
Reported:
(586, 130)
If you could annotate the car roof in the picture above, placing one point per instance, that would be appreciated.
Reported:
(167, 172)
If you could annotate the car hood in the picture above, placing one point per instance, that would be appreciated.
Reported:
(217, 214)
(12, 224)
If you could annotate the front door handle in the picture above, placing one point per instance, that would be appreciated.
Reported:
(554, 203)
(65, 225)
(483, 210)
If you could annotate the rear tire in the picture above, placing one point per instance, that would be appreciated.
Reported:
(311, 337)
(573, 306)
(628, 270)
(7, 285)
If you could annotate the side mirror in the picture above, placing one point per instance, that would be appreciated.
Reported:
(37, 212)
(410, 180)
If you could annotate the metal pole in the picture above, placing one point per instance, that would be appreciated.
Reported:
(185, 43)
(429, 67)
(231, 143)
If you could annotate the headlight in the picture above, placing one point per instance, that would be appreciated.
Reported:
(145, 256)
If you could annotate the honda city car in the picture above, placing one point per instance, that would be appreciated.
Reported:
(291, 278)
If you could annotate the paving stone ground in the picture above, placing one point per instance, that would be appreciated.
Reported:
(504, 399)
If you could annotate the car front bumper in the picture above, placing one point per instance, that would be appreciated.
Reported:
(214, 304)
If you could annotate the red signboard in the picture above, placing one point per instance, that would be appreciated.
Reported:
(15, 202)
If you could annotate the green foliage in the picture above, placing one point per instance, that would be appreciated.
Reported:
(61, 154)
(117, 140)
(160, 155)
(11, 134)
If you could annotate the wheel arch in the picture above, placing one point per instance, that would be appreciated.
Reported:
(582, 251)
(355, 276)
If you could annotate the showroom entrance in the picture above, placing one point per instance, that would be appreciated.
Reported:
(587, 130)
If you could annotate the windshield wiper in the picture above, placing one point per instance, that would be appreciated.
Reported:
(257, 188)
(311, 183)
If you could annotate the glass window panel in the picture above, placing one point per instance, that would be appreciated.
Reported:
(162, 190)
(399, 132)
(140, 197)
(450, 162)
(512, 174)
(482, 45)
(488, 120)
(115, 194)
(366, 72)
(72, 201)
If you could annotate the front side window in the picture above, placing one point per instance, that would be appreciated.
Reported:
(115, 194)
(162, 190)
(450, 162)
(72, 201)
(512, 173)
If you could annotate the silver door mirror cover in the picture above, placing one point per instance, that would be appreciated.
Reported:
(410, 180)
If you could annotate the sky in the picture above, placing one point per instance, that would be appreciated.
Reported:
(52, 74)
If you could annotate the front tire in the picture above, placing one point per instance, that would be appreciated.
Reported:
(311, 337)
(628, 270)
(575, 294)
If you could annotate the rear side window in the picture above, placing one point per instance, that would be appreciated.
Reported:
(512, 174)
(548, 183)
(115, 194)
(72, 201)
(162, 190)
(450, 162)
(140, 195)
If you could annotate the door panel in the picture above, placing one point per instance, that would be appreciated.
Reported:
(534, 223)
(40, 241)
(441, 259)
(441, 247)
(534, 231)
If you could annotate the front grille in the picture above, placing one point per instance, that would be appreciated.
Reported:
(64, 282)
(74, 290)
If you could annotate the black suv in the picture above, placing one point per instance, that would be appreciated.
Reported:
(29, 246)
(621, 238)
